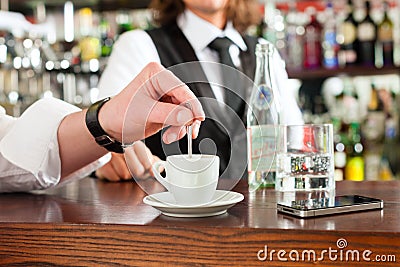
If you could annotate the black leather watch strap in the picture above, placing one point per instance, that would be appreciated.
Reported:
(94, 127)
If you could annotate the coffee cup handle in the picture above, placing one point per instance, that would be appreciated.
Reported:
(155, 167)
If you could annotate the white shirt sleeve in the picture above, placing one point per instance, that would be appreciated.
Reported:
(131, 53)
(29, 152)
(135, 49)
(290, 111)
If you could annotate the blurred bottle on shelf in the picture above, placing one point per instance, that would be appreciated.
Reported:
(106, 37)
(4, 54)
(373, 134)
(390, 154)
(385, 41)
(391, 145)
(124, 22)
(349, 145)
(335, 40)
(351, 103)
(89, 43)
(261, 29)
(375, 103)
(340, 142)
(354, 169)
(312, 41)
(367, 36)
(7, 52)
(348, 38)
(330, 46)
(32, 66)
(294, 38)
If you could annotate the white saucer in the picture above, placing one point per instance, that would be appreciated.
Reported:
(219, 204)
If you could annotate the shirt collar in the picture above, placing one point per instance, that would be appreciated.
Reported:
(200, 32)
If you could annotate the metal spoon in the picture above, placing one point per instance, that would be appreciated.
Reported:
(189, 132)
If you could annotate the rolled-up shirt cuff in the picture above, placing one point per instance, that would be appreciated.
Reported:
(32, 142)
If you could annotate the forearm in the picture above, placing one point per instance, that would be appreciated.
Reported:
(77, 146)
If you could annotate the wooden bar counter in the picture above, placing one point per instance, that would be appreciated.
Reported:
(97, 223)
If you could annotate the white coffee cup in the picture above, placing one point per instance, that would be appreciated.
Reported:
(191, 180)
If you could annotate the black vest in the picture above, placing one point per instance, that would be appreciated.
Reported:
(173, 49)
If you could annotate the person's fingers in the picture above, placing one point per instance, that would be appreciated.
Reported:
(181, 96)
(133, 162)
(170, 114)
(114, 170)
(151, 129)
(173, 133)
(108, 173)
(196, 129)
(144, 155)
(144, 80)
(158, 99)
(166, 83)
(120, 167)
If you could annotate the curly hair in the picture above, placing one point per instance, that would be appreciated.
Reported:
(242, 13)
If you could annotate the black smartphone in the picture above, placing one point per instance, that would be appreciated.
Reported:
(326, 206)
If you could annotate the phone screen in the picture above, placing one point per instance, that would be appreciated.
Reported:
(325, 206)
(339, 201)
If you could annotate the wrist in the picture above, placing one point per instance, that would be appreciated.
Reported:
(95, 127)
(107, 121)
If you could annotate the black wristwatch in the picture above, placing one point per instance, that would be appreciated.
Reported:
(93, 124)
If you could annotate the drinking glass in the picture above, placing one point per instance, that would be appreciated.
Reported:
(305, 158)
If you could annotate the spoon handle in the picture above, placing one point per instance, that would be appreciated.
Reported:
(189, 131)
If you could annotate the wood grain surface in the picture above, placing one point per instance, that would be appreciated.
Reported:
(95, 223)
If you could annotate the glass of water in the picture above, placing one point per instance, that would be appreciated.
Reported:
(305, 158)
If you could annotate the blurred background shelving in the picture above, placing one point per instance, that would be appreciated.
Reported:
(59, 48)
(27, 6)
(351, 71)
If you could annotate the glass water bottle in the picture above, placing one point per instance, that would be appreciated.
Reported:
(263, 118)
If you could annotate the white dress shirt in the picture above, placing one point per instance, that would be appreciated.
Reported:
(135, 49)
(29, 152)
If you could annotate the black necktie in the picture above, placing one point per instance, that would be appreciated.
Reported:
(230, 78)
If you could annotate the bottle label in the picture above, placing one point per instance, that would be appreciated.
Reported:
(366, 32)
(355, 169)
(265, 97)
(330, 58)
(262, 147)
(349, 33)
(338, 174)
(90, 48)
(340, 159)
(385, 33)
(372, 163)
(330, 38)
(350, 56)
(312, 35)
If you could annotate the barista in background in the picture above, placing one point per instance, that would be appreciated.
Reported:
(187, 27)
